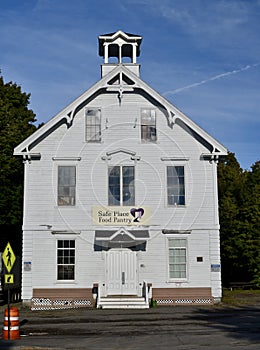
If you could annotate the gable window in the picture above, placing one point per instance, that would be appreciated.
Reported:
(66, 259)
(66, 185)
(121, 186)
(93, 125)
(175, 185)
(177, 258)
(148, 125)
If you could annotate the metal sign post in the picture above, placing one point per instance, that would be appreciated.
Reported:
(9, 260)
(8, 308)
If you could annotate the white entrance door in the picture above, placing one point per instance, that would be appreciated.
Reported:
(121, 272)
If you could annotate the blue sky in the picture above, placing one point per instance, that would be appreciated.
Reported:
(202, 55)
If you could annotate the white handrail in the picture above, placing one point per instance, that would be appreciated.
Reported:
(146, 292)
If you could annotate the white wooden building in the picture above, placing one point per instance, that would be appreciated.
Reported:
(120, 197)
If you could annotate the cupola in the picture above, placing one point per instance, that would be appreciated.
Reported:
(119, 48)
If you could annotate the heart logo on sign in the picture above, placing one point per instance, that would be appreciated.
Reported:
(137, 213)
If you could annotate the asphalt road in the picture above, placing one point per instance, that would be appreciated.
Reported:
(181, 327)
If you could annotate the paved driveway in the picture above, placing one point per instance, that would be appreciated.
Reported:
(181, 327)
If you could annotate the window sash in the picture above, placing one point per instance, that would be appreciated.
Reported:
(177, 259)
(175, 185)
(121, 187)
(66, 185)
(148, 125)
(93, 125)
(66, 260)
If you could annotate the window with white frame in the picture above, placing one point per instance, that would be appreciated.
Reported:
(148, 125)
(93, 125)
(175, 185)
(66, 185)
(121, 185)
(66, 259)
(177, 258)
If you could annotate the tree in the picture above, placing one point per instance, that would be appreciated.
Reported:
(250, 217)
(229, 186)
(239, 209)
(16, 123)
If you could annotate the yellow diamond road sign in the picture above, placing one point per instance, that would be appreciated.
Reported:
(9, 279)
(8, 257)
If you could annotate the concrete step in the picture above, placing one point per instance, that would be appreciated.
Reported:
(121, 302)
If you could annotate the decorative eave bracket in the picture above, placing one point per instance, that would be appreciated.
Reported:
(171, 117)
(211, 157)
(28, 156)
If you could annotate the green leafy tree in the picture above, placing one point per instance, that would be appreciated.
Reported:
(239, 206)
(16, 123)
(250, 217)
(229, 185)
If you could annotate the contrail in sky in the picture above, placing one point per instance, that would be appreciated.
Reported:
(219, 76)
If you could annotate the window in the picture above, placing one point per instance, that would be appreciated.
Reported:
(66, 259)
(175, 185)
(177, 258)
(121, 187)
(66, 185)
(148, 125)
(93, 125)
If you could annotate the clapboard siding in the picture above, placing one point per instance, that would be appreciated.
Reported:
(156, 262)
(198, 194)
(151, 170)
(90, 265)
(64, 144)
(27, 258)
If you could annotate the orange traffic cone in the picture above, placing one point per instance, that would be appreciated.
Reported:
(14, 332)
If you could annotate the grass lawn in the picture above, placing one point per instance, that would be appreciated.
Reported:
(240, 297)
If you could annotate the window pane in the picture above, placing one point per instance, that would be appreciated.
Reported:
(179, 170)
(67, 175)
(177, 258)
(128, 185)
(121, 185)
(65, 272)
(66, 185)
(72, 244)
(114, 186)
(60, 244)
(148, 125)
(93, 125)
(175, 185)
(65, 259)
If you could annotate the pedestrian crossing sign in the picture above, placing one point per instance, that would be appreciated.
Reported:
(8, 257)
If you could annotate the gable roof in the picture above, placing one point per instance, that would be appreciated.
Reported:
(120, 79)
